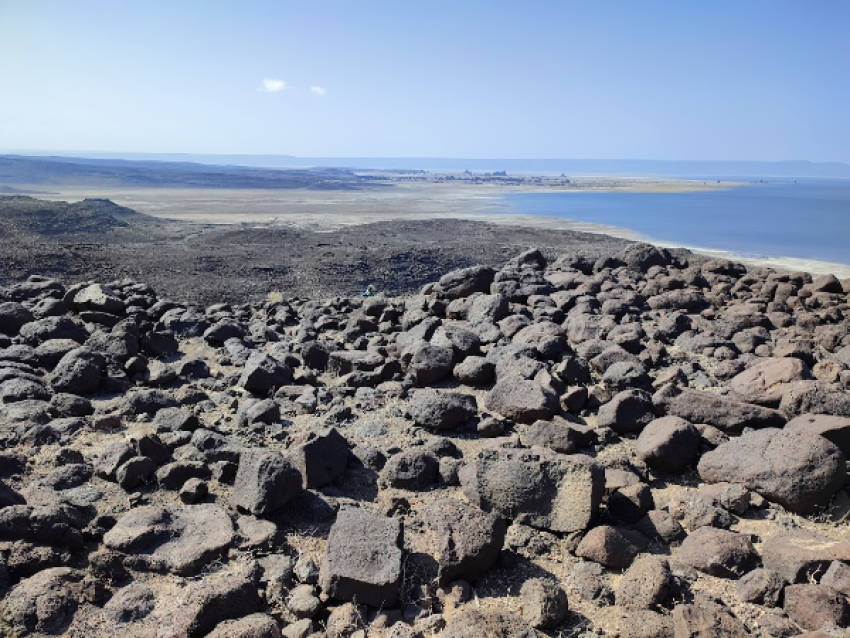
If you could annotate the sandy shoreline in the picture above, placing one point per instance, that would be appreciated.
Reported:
(319, 210)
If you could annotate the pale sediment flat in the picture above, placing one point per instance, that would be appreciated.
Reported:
(319, 210)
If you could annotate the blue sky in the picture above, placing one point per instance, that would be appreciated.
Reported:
(713, 79)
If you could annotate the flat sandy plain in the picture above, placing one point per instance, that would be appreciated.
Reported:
(319, 210)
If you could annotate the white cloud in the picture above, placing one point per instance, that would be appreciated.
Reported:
(273, 86)
(318, 90)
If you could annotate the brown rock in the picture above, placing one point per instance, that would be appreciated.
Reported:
(718, 552)
(647, 624)
(474, 623)
(668, 444)
(761, 586)
(833, 428)
(544, 603)
(521, 400)
(766, 382)
(798, 471)
(645, 585)
(838, 577)
(799, 554)
(813, 606)
(607, 546)
(707, 621)
(701, 407)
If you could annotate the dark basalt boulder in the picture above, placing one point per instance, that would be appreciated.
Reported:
(44, 603)
(78, 372)
(522, 400)
(701, 407)
(470, 540)
(798, 554)
(466, 281)
(767, 381)
(321, 459)
(475, 623)
(262, 374)
(179, 540)
(799, 471)
(13, 316)
(441, 410)
(212, 601)
(363, 559)
(668, 444)
(265, 481)
(413, 470)
(718, 552)
(536, 487)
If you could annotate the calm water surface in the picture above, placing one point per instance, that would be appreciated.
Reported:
(808, 220)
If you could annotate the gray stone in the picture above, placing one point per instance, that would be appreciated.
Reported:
(42, 604)
(766, 382)
(211, 602)
(833, 428)
(469, 540)
(175, 420)
(251, 626)
(761, 586)
(265, 481)
(522, 400)
(539, 488)
(668, 444)
(707, 619)
(816, 398)
(608, 546)
(474, 371)
(466, 281)
(544, 603)
(363, 559)
(440, 410)
(814, 606)
(181, 540)
(837, 577)
(718, 552)
(321, 459)
(78, 372)
(648, 624)
(494, 623)
(628, 412)
(13, 316)
(130, 604)
(414, 469)
(431, 364)
(262, 374)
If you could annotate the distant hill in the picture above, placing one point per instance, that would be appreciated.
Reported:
(68, 171)
(667, 168)
(23, 216)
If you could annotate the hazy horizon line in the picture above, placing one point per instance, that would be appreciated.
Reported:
(74, 152)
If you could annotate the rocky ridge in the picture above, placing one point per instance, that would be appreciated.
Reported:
(621, 445)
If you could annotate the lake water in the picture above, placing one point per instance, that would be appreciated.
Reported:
(806, 220)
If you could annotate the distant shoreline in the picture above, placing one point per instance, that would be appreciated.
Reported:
(330, 210)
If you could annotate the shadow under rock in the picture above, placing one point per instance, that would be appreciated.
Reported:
(310, 514)
(357, 483)
(418, 569)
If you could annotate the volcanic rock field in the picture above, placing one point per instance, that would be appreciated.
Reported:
(632, 444)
